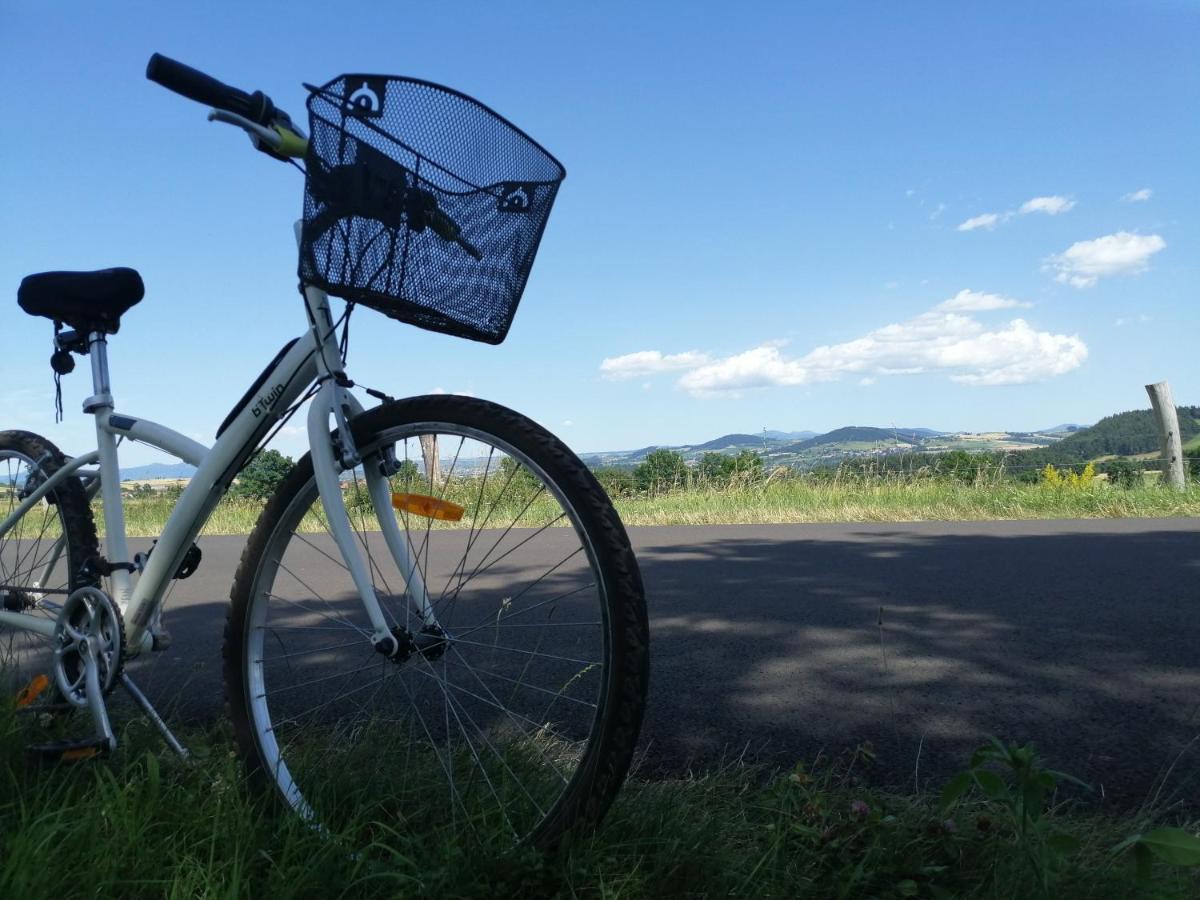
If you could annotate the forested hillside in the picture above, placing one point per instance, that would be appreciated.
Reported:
(859, 433)
(1123, 434)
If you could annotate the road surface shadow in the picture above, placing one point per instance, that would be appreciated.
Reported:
(798, 640)
(1086, 644)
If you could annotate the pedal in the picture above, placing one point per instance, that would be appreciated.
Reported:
(32, 691)
(68, 751)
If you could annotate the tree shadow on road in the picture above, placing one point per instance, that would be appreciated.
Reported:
(1086, 643)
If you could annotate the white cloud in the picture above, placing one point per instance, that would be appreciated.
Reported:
(975, 301)
(1123, 253)
(567, 423)
(648, 362)
(1138, 196)
(759, 367)
(987, 220)
(942, 339)
(1140, 319)
(1051, 206)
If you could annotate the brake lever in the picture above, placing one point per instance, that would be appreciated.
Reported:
(258, 134)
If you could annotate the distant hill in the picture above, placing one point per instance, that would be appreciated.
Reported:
(158, 470)
(805, 449)
(1123, 434)
(729, 441)
(788, 435)
(1059, 429)
(860, 434)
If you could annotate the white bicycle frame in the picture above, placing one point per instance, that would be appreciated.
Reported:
(313, 356)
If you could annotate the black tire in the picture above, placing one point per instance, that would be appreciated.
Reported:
(274, 738)
(35, 578)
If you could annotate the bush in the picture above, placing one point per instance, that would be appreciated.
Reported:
(264, 473)
(662, 470)
(715, 467)
(616, 482)
(408, 477)
(720, 469)
(1123, 473)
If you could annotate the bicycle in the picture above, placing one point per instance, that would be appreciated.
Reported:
(439, 593)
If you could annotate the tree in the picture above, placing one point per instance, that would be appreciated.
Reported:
(661, 471)
(720, 468)
(747, 462)
(616, 482)
(262, 476)
(715, 467)
(407, 477)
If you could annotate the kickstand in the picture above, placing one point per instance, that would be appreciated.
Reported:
(140, 698)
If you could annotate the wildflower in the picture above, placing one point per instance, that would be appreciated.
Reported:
(859, 808)
(949, 826)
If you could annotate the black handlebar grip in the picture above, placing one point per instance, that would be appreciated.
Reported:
(195, 85)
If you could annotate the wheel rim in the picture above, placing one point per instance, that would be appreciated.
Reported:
(35, 575)
(490, 735)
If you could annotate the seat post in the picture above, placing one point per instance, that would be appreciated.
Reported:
(101, 389)
(101, 403)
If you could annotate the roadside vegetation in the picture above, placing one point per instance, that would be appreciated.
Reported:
(740, 489)
(143, 823)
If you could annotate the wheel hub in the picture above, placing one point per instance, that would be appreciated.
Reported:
(430, 642)
(17, 600)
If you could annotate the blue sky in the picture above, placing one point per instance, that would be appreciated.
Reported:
(791, 216)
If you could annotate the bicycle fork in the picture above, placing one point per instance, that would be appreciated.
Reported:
(330, 456)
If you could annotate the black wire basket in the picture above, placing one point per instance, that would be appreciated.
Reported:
(422, 203)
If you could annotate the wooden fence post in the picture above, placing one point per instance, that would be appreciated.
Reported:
(1168, 431)
(429, 450)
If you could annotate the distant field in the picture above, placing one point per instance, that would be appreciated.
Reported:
(800, 500)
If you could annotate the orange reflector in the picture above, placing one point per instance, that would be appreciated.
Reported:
(81, 753)
(32, 691)
(429, 507)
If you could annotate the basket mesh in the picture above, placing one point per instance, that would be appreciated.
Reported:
(385, 156)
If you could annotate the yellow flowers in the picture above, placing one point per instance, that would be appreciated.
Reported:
(1068, 479)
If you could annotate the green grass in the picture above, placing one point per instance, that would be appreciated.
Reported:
(777, 500)
(902, 500)
(145, 824)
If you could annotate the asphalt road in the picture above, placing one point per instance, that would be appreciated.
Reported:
(779, 642)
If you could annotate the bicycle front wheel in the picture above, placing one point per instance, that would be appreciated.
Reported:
(514, 715)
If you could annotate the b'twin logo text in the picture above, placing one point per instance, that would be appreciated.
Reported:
(264, 403)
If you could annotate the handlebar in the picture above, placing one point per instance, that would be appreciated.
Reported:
(269, 128)
(195, 85)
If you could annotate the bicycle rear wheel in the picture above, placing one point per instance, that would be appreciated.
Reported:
(41, 558)
(518, 720)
